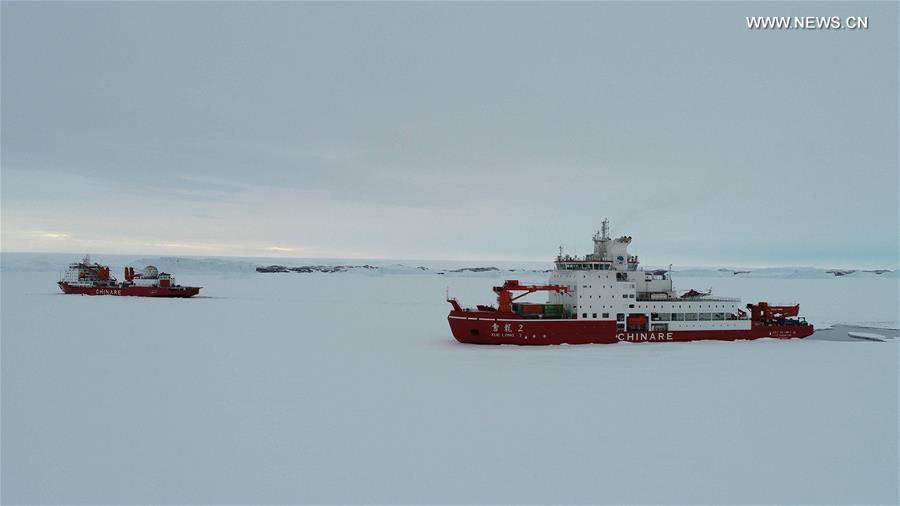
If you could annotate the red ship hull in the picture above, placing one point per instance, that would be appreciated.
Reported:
(489, 327)
(131, 290)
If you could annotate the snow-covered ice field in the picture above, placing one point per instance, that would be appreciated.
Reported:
(348, 388)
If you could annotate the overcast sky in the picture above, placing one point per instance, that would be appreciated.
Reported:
(450, 130)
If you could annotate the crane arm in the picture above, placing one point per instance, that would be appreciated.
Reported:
(505, 296)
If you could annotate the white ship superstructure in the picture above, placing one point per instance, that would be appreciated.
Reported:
(609, 285)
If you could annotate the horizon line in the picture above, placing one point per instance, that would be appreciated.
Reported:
(482, 259)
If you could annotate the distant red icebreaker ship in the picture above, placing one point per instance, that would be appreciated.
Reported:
(604, 298)
(86, 278)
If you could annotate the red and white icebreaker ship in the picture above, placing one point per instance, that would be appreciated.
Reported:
(88, 278)
(604, 298)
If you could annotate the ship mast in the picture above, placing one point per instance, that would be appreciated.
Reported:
(601, 241)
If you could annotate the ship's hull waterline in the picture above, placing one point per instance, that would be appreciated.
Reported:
(488, 328)
(131, 291)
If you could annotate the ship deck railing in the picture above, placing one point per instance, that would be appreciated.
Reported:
(647, 298)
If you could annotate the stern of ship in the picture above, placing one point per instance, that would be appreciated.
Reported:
(780, 322)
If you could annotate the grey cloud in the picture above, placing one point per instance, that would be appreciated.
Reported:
(656, 113)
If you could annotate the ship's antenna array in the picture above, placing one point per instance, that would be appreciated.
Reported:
(604, 229)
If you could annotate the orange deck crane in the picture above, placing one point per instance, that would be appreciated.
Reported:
(505, 297)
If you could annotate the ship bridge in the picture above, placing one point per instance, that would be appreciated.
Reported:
(609, 254)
